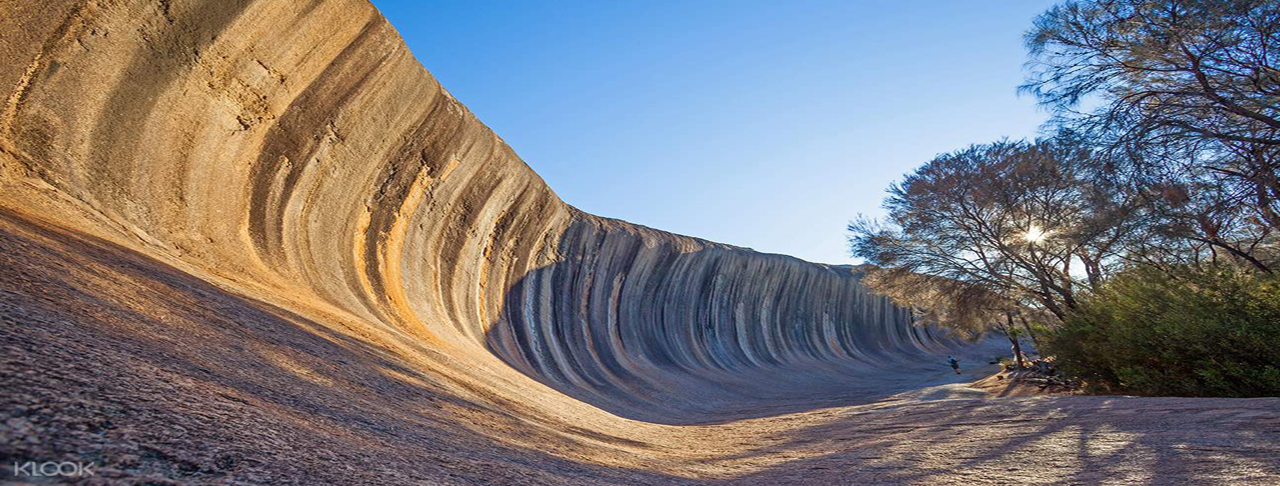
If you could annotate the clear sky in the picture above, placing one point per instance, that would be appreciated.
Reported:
(763, 124)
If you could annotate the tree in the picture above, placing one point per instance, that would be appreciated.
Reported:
(966, 308)
(1188, 92)
(1029, 222)
(1208, 331)
(1195, 215)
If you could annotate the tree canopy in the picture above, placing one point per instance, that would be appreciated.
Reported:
(1188, 91)
(1165, 152)
(1027, 221)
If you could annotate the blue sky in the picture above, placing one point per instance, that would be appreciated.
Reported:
(761, 124)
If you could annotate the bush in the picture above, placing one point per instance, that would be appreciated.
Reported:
(1197, 332)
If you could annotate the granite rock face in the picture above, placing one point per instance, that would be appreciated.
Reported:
(300, 144)
(658, 326)
(255, 242)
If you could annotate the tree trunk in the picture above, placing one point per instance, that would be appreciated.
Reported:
(1027, 325)
(1013, 338)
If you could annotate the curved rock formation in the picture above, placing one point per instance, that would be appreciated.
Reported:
(255, 242)
(303, 148)
(662, 327)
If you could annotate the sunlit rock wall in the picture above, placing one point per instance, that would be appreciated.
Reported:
(299, 146)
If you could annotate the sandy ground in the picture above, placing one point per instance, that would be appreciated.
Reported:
(159, 377)
(1007, 384)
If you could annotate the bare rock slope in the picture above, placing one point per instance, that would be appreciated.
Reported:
(255, 241)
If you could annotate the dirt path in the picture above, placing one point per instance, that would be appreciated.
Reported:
(157, 376)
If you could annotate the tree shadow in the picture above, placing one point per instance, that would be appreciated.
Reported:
(1060, 440)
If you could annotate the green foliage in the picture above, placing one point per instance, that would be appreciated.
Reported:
(1197, 332)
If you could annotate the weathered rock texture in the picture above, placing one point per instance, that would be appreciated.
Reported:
(301, 145)
(265, 227)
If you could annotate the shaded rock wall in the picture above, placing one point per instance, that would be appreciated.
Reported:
(663, 322)
(298, 148)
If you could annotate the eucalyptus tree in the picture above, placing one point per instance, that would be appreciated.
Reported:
(1029, 222)
(1196, 215)
(1186, 93)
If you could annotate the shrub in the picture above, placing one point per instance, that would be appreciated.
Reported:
(1195, 332)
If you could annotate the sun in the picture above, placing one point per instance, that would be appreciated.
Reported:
(1035, 234)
